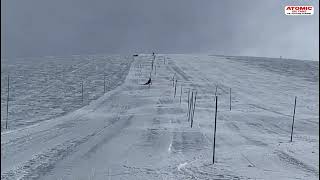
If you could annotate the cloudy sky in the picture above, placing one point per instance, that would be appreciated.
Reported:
(230, 27)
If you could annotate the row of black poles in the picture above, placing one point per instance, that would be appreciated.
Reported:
(82, 88)
(215, 124)
(192, 105)
(8, 96)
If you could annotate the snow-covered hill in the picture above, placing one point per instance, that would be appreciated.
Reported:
(47, 87)
(142, 132)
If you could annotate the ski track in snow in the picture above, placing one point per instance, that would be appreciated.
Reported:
(142, 132)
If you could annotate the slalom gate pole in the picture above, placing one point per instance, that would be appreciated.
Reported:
(215, 130)
(294, 112)
(8, 104)
(194, 107)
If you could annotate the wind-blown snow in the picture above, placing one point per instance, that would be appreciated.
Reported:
(141, 132)
(47, 87)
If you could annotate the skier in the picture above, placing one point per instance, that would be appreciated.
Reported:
(148, 82)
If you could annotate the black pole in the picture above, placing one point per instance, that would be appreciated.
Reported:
(150, 80)
(152, 62)
(215, 130)
(173, 81)
(82, 91)
(188, 98)
(294, 112)
(216, 91)
(104, 84)
(7, 105)
(194, 107)
(230, 99)
(190, 105)
(180, 93)
(175, 89)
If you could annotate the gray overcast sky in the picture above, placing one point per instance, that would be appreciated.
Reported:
(230, 27)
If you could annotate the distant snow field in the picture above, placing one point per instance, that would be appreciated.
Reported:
(136, 131)
(47, 87)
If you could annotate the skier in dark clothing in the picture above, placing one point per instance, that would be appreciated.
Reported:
(149, 82)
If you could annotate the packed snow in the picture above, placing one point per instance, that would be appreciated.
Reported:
(139, 131)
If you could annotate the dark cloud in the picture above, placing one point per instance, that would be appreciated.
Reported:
(247, 27)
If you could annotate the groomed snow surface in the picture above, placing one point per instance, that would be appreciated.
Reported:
(139, 132)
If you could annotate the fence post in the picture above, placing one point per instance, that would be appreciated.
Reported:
(215, 129)
(294, 112)
(230, 99)
(7, 105)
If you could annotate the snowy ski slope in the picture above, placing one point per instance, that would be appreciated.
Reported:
(141, 132)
